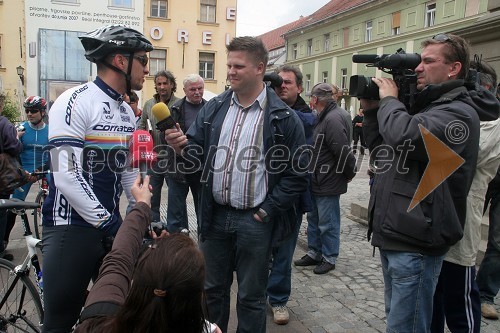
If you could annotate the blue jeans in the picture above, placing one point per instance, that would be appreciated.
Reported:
(488, 276)
(410, 280)
(157, 177)
(237, 242)
(177, 217)
(323, 229)
(279, 285)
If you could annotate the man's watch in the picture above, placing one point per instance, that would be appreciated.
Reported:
(263, 215)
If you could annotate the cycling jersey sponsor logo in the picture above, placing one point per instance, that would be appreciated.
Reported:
(107, 116)
(80, 179)
(69, 107)
(125, 118)
(113, 128)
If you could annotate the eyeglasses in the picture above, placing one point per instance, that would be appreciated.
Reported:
(143, 59)
(459, 55)
(441, 38)
(32, 111)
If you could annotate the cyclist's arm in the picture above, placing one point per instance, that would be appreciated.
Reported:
(66, 139)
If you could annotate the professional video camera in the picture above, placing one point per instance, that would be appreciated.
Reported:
(400, 65)
(273, 80)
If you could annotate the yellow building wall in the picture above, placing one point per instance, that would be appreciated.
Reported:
(182, 58)
(12, 52)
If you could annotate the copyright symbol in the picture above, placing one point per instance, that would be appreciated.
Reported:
(457, 132)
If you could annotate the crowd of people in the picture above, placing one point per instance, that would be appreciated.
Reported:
(260, 158)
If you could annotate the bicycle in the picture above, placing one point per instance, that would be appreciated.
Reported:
(21, 308)
(40, 198)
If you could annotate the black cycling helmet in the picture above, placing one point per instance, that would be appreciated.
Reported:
(35, 102)
(113, 39)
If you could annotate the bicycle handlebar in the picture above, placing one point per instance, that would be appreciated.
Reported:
(17, 204)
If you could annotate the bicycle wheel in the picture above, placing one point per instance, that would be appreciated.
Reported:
(40, 198)
(20, 305)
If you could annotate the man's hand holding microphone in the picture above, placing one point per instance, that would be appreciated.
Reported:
(173, 133)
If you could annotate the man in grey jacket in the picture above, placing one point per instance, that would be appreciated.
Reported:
(334, 166)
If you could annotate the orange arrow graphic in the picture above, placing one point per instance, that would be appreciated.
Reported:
(443, 161)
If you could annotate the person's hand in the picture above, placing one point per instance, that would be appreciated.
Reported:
(217, 329)
(163, 234)
(141, 190)
(176, 138)
(29, 177)
(20, 133)
(386, 87)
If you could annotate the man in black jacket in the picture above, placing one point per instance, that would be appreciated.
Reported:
(334, 166)
(413, 228)
(279, 285)
(184, 112)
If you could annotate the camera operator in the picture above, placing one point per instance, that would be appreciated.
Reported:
(413, 239)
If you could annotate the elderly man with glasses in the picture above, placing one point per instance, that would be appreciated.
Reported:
(418, 202)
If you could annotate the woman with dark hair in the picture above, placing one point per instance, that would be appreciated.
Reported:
(159, 289)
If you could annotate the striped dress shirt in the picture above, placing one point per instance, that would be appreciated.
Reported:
(240, 178)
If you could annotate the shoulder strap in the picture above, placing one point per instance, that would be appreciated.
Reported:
(99, 309)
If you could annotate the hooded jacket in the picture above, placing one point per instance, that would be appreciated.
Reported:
(451, 115)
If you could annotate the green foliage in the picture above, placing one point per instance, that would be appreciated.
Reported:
(11, 109)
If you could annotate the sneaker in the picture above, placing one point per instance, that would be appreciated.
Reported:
(323, 268)
(306, 261)
(488, 311)
(280, 314)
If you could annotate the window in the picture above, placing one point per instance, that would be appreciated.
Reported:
(343, 81)
(396, 23)
(121, 3)
(72, 68)
(309, 47)
(430, 14)
(324, 77)
(294, 51)
(207, 10)
(368, 35)
(157, 61)
(207, 62)
(159, 8)
(308, 83)
(327, 42)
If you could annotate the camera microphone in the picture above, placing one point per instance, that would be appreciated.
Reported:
(274, 79)
(367, 58)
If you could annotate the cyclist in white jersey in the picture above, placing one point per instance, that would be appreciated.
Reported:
(89, 130)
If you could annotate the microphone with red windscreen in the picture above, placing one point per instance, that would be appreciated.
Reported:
(141, 153)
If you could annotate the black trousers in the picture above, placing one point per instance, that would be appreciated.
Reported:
(456, 300)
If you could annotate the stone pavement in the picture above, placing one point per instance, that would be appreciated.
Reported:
(348, 299)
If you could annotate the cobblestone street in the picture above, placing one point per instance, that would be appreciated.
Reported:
(348, 299)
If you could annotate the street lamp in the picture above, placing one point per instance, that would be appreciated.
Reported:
(20, 72)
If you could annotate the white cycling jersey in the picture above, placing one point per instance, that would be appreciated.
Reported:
(89, 132)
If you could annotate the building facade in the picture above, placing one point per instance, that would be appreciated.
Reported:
(188, 36)
(324, 44)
